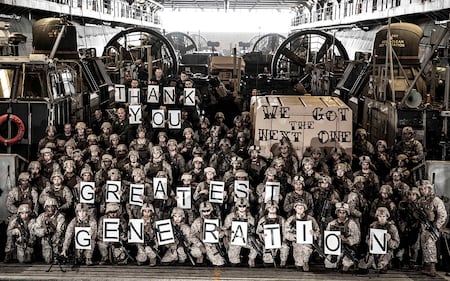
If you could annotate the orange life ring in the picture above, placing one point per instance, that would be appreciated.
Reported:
(20, 129)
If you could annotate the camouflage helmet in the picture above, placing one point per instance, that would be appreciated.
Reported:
(134, 153)
(70, 143)
(24, 176)
(254, 148)
(106, 125)
(325, 179)
(112, 208)
(34, 164)
(46, 150)
(242, 202)
(342, 206)
(301, 203)
(92, 138)
(114, 137)
(361, 132)
(197, 151)
(237, 118)
(163, 134)
(414, 190)
(122, 148)
(342, 166)
(107, 157)
(402, 157)
(357, 179)
(272, 203)
(50, 145)
(81, 207)
(219, 115)
(113, 172)
(86, 170)
(364, 159)
(270, 171)
(241, 173)
(69, 163)
(138, 172)
(148, 207)
(205, 206)
(205, 120)
(50, 201)
(77, 152)
(197, 159)
(278, 162)
(23, 208)
(407, 130)
(172, 142)
(157, 148)
(316, 150)
(186, 176)
(80, 125)
(307, 160)
(225, 141)
(382, 143)
(177, 211)
(141, 128)
(236, 159)
(188, 130)
(299, 179)
(386, 189)
(382, 211)
(209, 169)
(57, 174)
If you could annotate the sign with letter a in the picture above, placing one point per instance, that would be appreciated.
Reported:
(239, 233)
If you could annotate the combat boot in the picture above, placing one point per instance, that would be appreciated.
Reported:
(88, 261)
(282, 264)
(199, 260)
(8, 257)
(432, 271)
(305, 267)
(251, 263)
(425, 268)
(152, 262)
(104, 261)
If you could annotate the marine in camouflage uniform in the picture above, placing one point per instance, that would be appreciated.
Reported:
(141, 144)
(241, 213)
(50, 228)
(61, 193)
(158, 163)
(87, 176)
(221, 160)
(301, 252)
(381, 262)
(299, 194)
(256, 165)
(434, 208)
(271, 217)
(132, 164)
(113, 250)
(23, 193)
(70, 177)
(138, 177)
(325, 198)
(310, 176)
(36, 179)
(409, 146)
(350, 238)
(176, 252)
(102, 175)
(48, 165)
(148, 250)
(210, 249)
(83, 219)
(372, 182)
(20, 239)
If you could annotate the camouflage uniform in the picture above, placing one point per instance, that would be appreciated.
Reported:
(436, 213)
(271, 217)
(61, 193)
(176, 252)
(148, 250)
(83, 219)
(325, 197)
(221, 160)
(411, 147)
(210, 249)
(350, 238)
(48, 165)
(142, 145)
(102, 175)
(24, 193)
(50, 227)
(310, 176)
(241, 214)
(256, 165)
(36, 179)
(382, 261)
(118, 250)
(298, 195)
(301, 252)
(135, 211)
(20, 238)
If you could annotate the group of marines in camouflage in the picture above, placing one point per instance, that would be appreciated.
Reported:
(351, 194)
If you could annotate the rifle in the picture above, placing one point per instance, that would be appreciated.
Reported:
(151, 243)
(350, 253)
(57, 258)
(424, 219)
(323, 211)
(256, 244)
(180, 237)
(24, 234)
(273, 253)
(319, 250)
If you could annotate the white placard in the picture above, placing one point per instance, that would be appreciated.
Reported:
(119, 93)
(272, 236)
(164, 232)
(87, 192)
(378, 242)
(113, 191)
(158, 118)
(136, 192)
(189, 96)
(83, 239)
(160, 188)
(241, 189)
(153, 94)
(134, 95)
(239, 233)
(211, 231)
(135, 114)
(272, 191)
(304, 232)
(111, 230)
(184, 197)
(216, 189)
(136, 231)
(174, 119)
(169, 95)
(332, 242)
